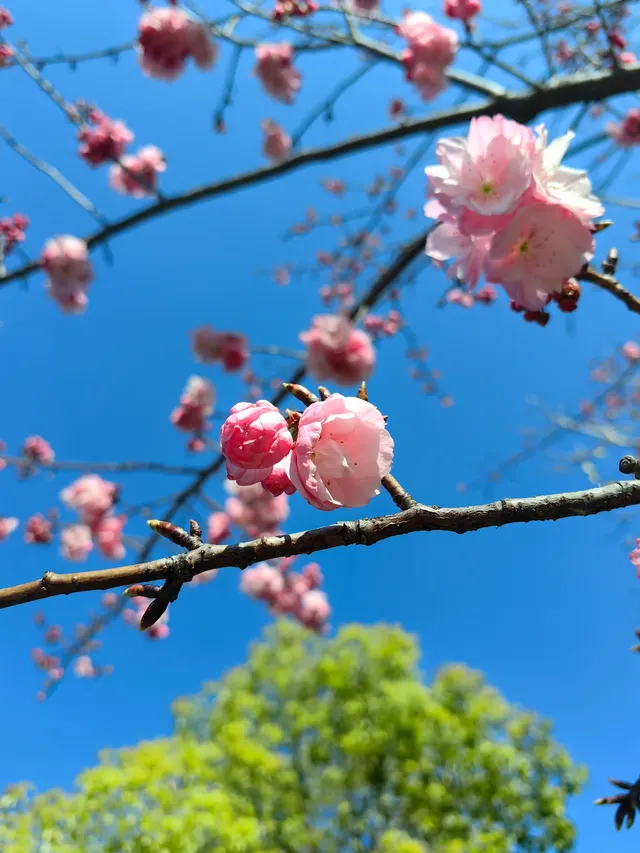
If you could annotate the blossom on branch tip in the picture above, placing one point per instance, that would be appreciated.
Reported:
(36, 449)
(337, 351)
(275, 69)
(137, 174)
(103, 139)
(167, 38)
(76, 542)
(7, 526)
(69, 270)
(277, 143)
(341, 454)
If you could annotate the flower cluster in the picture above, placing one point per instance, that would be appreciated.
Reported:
(229, 348)
(166, 40)
(137, 174)
(196, 405)
(103, 139)
(93, 499)
(38, 530)
(12, 231)
(341, 452)
(254, 510)
(338, 352)
(292, 593)
(506, 208)
(431, 49)
(275, 69)
(66, 261)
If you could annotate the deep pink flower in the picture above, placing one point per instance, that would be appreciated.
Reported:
(277, 143)
(103, 140)
(342, 452)
(255, 435)
(7, 526)
(91, 497)
(137, 174)
(66, 260)
(276, 72)
(108, 536)
(278, 480)
(36, 449)
(627, 133)
(230, 348)
(167, 38)
(38, 530)
(261, 581)
(218, 527)
(462, 10)
(338, 352)
(76, 542)
(6, 18)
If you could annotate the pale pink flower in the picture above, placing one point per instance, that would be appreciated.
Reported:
(66, 261)
(446, 242)
(7, 526)
(429, 79)
(83, 667)
(277, 143)
(313, 575)
(431, 48)
(276, 72)
(76, 542)
(218, 527)
(532, 256)
(627, 133)
(255, 435)
(36, 449)
(342, 452)
(278, 480)
(462, 10)
(338, 352)
(230, 348)
(38, 530)
(106, 140)
(90, 496)
(631, 351)
(314, 609)
(108, 536)
(167, 38)
(196, 404)
(6, 18)
(634, 556)
(137, 174)
(261, 581)
(255, 510)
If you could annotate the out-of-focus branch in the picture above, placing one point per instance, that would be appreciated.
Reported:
(187, 565)
(612, 286)
(105, 467)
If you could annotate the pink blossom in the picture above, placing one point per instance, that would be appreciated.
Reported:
(446, 242)
(627, 133)
(12, 229)
(75, 542)
(431, 48)
(313, 575)
(276, 72)
(108, 536)
(137, 174)
(338, 352)
(66, 260)
(7, 526)
(261, 581)
(107, 140)
(342, 452)
(462, 10)
(218, 527)
(83, 667)
(38, 530)
(365, 7)
(293, 9)
(167, 38)
(631, 351)
(634, 556)
(36, 449)
(536, 252)
(314, 609)
(196, 404)
(278, 480)
(254, 509)
(230, 348)
(277, 143)
(6, 18)
(6, 55)
(91, 497)
(255, 435)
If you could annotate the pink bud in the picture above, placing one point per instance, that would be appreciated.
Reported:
(255, 436)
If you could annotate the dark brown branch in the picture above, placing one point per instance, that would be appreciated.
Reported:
(521, 106)
(612, 286)
(366, 531)
(105, 467)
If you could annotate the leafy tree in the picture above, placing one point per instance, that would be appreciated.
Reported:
(317, 745)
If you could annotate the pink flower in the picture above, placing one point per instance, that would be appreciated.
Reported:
(91, 497)
(196, 404)
(218, 527)
(634, 556)
(278, 480)
(277, 143)
(66, 260)
(6, 18)
(108, 536)
(167, 38)
(342, 452)
(137, 174)
(36, 449)
(627, 133)
(38, 530)
(532, 256)
(255, 436)
(431, 48)
(6, 55)
(75, 542)
(12, 229)
(7, 526)
(261, 581)
(337, 351)
(255, 510)
(276, 72)
(446, 242)
(107, 140)
(209, 346)
(83, 667)
(463, 10)
(314, 609)
(631, 351)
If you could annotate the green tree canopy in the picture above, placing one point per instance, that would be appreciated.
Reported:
(319, 746)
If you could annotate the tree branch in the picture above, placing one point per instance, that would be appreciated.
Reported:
(366, 531)
(612, 286)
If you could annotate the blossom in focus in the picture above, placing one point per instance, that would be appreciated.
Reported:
(91, 497)
(69, 270)
(255, 435)
(468, 252)
(275, 69)
(196, 404)
(108, 536)
(462, 10)
(38, 530)
(76, 542)
(103, 140)
(37, 449)
(431, 48)
(341, 454)
(337, 351)
(278, 480)
(230, 348)
(277, 143)
(7, 526)
(137, 174)
(167, 38)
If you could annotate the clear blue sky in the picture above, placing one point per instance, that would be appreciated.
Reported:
(547, 611)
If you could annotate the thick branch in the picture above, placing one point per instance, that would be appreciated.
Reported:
(363, 532)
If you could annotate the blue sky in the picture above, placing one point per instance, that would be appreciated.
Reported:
(547, 611)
